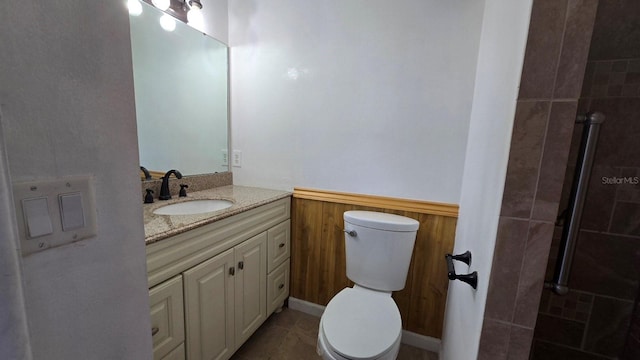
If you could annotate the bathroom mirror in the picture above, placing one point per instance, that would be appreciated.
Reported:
(181, 91)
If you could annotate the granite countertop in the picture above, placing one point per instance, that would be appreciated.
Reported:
(158, 227)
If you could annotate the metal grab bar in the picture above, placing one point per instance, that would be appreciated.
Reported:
(592, 122)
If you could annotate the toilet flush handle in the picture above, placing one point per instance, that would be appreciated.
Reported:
(351, 233)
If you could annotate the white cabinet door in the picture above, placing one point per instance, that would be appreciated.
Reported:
(176, 354)
(167, 316)
(209, 299)
(251, 291)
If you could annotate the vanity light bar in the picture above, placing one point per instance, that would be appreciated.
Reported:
(176, 8)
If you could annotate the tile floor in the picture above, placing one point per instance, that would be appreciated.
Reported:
(292, 335)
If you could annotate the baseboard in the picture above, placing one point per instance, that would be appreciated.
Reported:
(421, 341)
(306, 307)
(410, 338)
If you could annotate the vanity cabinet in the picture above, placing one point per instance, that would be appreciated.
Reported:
(232, 275)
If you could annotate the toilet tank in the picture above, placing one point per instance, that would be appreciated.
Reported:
(378, 248)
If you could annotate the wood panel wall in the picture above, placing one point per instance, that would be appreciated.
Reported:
(318, 269)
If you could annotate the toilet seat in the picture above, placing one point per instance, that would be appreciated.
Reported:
(359, 323)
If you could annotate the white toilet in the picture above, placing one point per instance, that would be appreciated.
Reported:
(364, 322)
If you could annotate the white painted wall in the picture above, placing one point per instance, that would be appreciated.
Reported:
(360, 96)
(14, 334)
(504, 35)
(216, 19)
(66, 91)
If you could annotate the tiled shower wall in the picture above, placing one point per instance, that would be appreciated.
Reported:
(604, 276)
(555, 60)
(592, 322)
(632, 347)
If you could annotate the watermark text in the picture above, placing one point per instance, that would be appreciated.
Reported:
(631, 180)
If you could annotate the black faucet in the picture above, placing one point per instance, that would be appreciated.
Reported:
(165, 194)
(147, 176)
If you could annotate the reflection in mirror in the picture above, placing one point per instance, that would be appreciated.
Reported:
(180, 80)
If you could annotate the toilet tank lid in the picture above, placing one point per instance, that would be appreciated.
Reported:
(381, 221)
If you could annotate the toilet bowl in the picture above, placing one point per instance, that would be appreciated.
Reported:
(363, 322)
(360, 323)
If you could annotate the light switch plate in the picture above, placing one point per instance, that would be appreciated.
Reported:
(71, 209)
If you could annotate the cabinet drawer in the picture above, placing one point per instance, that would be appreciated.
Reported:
(277, 287)
(167, 316)
(176, 354)
(279, 248)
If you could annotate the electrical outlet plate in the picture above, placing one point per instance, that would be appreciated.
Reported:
(225, 157)
(76, 193)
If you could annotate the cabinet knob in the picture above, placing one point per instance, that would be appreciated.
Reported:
(280, 286)
(154, 331)
(241, 265)
(281, 245)
(232, 271)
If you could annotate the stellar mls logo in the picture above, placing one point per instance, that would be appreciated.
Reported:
(631, 180)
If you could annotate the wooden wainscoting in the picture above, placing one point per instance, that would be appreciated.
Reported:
(318, 270)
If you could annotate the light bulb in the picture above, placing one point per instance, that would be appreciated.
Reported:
(161, 4)
(135, 8)
(167, 22)
(195, 18)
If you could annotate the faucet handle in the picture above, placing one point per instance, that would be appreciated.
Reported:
(183, 190)
(148, 199)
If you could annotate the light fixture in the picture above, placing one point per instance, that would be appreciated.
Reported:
(188, 11)
(195, 4)
(135, 8)
(194, 16)
(161, 4)
(167, 22)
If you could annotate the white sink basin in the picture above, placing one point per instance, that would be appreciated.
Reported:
(193, 207)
